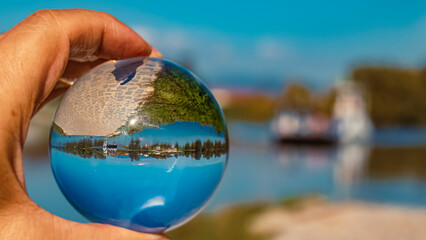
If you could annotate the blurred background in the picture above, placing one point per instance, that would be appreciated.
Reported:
(326, 110)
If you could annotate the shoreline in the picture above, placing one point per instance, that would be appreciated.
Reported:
(310, 218)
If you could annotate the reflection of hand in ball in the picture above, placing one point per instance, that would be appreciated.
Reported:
(139, 143)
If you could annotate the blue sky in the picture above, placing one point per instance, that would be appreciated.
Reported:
(178, 132)
(262, 44)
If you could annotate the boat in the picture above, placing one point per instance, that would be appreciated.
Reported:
(350, 121)
(295, 127)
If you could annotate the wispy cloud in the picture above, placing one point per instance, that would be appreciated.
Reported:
(221, 58)
(217, 56)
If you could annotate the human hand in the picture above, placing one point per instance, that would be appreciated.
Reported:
(34, 54)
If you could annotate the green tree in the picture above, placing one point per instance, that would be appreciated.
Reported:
(395, 96)
(177, 96)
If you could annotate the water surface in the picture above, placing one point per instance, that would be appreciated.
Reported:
(387, 171)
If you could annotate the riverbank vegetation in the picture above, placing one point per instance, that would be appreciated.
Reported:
(394, 97)
(89, 147)
(261, 107)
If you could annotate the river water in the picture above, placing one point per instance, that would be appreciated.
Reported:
(390, 170)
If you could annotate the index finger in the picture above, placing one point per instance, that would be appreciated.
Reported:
(94, 34)
(36, 51)
(34, 55)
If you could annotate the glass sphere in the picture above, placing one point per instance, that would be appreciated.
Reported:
(138, 143)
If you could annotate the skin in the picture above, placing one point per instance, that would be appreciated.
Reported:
(34, 54)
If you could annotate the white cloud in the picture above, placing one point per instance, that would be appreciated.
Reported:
(271, 49)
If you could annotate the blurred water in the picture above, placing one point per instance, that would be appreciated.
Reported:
(261, 170)
(388, 171)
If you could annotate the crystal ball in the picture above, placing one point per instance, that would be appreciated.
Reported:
(139, 143)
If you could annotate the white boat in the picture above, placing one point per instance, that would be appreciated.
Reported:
(350, 116)
(350, 121)
(298, 127)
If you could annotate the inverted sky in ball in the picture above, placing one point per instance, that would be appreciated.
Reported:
(139, 143)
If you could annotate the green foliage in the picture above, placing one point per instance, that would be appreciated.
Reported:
(297, 97)
(84, 148)
(235, 222)
(250, 107)
(260, 107)
(58, 129)
(89, 147)
(230, 224)
(196, 150)
(395, 96)
(179, 97)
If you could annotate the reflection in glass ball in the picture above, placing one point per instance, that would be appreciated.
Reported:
(139, 143)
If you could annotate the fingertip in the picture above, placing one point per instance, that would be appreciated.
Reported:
(122, 42)
(103, 36)
(155, 53)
